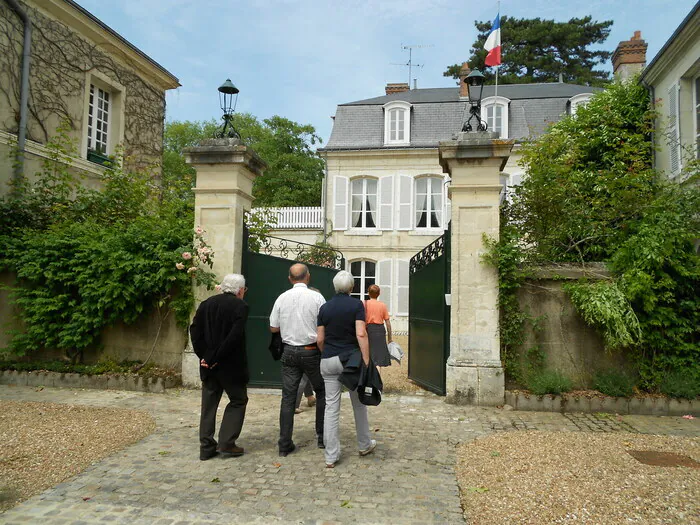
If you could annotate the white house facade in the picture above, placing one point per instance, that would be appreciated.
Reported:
(385, 195)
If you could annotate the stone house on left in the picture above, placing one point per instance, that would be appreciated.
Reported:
(82, 73)
(112, 97)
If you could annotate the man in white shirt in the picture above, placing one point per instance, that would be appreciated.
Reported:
(294, 315)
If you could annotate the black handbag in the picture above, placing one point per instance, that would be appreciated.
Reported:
(370, 386)
(276, 346)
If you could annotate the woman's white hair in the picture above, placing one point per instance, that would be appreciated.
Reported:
(343, 282)
(232, 283)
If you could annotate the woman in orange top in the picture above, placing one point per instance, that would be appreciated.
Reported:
(376, 316)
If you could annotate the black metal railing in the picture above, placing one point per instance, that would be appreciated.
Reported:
(428, 254)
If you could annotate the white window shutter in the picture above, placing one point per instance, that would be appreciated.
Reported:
(384, 281)
(386, 203)
(405, 202)
(402, 288)
(447, 204)
(340, 203)
(674, 138)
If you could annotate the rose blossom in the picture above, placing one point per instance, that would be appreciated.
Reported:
(191, 270)
(217, 287)
(198, 230)
(187, 256)
(180, 266)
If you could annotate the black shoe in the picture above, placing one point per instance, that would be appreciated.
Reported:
(285, 453)
(203, 456)
(320, 442)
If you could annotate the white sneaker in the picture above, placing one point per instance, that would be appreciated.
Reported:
(370, 449)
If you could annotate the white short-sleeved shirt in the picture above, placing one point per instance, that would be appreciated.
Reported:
(295, 313)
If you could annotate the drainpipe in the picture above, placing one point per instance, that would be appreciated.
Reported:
(652, 96)
(323, 194)
(24, 89)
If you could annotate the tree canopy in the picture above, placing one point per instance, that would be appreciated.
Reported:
(294, 173)
(536, 50)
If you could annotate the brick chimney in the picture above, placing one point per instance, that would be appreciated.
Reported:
(463, 73)
(629, 57)
(390, 89)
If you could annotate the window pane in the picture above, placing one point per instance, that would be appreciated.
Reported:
(371, 186)
(401, 124)
(356, 268)
(369, 268)
(356, 187)
(421, 185)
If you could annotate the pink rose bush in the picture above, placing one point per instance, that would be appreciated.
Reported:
(193, 259)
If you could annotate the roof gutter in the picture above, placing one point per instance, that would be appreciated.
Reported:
(24, 90)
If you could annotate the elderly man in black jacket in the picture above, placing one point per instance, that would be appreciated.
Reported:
(218, 339)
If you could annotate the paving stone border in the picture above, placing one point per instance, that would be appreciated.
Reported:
(644, 406)
(129, 382)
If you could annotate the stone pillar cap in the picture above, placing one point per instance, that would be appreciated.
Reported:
(475, 145)
(225, 151)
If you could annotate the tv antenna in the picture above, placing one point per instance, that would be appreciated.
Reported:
(410, 63)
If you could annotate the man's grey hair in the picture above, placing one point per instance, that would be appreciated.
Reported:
(343, 282)
(232, 283)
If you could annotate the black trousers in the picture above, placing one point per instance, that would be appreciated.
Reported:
(213, 386)
(296, 362)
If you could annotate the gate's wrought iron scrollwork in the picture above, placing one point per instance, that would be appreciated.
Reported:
(300, 251)
(427, 255)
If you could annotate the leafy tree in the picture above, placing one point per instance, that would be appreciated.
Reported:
(294, 173)
(536, 50)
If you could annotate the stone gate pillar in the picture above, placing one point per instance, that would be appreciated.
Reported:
(226, 170)
(474, 370)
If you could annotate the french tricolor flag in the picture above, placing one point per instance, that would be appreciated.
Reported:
(493, 43)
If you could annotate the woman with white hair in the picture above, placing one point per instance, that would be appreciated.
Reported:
(341, 334)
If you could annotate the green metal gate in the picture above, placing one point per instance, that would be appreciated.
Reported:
(429, 315)
(266, 278)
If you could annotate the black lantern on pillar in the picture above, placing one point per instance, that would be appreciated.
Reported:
(475, 81)
(228, 98)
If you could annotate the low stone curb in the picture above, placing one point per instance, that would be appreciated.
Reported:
(100, 382)
(643, 406)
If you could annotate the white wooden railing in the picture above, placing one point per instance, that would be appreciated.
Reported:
(296, 218)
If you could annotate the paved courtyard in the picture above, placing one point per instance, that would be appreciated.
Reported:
(409, 479)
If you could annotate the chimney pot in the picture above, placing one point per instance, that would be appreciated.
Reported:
(629, 57)
(464, 73)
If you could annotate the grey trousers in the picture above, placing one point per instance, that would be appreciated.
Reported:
(234, 414)
(331, 368)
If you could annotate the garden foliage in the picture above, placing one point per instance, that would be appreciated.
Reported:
(592, 195)
(86, 259)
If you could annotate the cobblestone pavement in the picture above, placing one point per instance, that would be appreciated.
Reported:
(409, 479)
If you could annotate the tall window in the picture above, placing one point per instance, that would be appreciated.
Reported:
(98, 119)
(396, 125)
(429, 202)
(494, 118)
(364, 273)
(397, 122)
(364, 203)
(495, 113)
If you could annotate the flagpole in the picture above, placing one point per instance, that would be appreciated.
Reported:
(499, 65)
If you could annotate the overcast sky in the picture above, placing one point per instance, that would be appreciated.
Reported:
(301, 58)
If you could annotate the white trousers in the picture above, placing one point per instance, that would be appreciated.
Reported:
(331, 368)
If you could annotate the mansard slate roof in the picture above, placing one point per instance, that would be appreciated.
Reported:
(438, 113)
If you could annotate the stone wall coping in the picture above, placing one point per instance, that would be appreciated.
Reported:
(643, 406)
(130, 382)
(572, 271)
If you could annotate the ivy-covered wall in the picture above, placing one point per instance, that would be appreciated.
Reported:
(63, 64)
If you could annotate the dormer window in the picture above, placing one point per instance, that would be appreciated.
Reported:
(578, 100)
(397, 123)
(495, 112)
